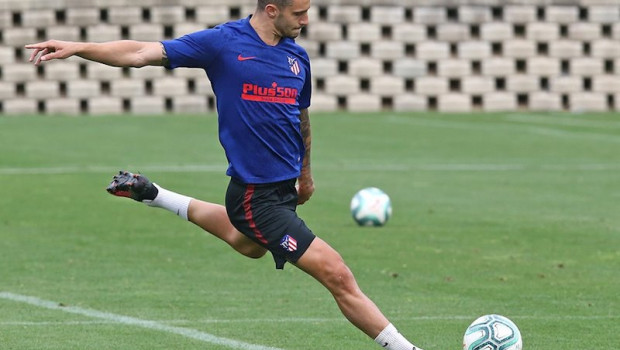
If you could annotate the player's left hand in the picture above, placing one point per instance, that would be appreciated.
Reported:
(305, 189)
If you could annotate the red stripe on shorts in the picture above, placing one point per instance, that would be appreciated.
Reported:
(247, 208)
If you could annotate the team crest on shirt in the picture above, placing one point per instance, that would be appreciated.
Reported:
(288, 243)
(292, 62)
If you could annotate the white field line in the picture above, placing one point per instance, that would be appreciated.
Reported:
(363, 166)
(519, 124)
(575, 134)
(450, 124)
(562, 120)
(132, 321)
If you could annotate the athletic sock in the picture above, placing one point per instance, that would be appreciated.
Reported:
(172, 201)
(391, 339)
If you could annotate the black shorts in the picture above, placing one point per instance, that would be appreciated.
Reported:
(266, 214)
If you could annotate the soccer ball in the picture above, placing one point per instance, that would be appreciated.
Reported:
(492, 332)
(371, 207)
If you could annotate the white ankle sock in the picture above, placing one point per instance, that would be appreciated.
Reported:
(172, 201)
(391, 339)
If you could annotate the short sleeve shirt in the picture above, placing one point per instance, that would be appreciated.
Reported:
(259, 91)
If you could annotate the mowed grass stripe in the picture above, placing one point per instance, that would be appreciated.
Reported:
(301, 320)
(206, 168)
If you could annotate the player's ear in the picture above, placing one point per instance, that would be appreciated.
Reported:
(272, 11)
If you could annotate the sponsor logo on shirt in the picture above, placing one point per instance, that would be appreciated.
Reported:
(273, 93)
(245, 58)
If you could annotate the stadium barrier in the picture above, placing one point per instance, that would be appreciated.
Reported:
(400, 55)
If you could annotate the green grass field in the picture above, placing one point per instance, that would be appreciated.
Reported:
(515, 214)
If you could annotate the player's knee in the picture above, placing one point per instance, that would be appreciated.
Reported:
(339, 279)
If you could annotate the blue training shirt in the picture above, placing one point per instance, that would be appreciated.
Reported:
(259, 89)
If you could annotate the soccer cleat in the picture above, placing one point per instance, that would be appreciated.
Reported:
(134, 186)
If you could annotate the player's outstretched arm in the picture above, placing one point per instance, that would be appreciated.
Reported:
(305, 183)
(122, 53)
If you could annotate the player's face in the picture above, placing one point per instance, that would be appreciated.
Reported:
(292, 18)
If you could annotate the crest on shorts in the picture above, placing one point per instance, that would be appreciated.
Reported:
(288, 243)
(292, 62)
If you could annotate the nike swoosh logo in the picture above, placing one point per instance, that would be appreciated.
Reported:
(241, 58)
(386, 344)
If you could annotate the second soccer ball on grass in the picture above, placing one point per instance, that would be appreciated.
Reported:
(371, 207)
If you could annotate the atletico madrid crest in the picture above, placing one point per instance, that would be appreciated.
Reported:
(292, 62)
(289, 243)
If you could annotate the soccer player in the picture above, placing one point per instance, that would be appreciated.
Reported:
(261, 78)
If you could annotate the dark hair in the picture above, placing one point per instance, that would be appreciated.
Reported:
(279, 3)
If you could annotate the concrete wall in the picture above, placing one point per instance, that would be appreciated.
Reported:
(367, 55)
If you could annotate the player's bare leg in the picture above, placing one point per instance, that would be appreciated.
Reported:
(320, 260)
(323, 263)
(210, 217)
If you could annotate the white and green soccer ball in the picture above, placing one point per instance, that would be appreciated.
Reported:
(492, 332)
(371, 207)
